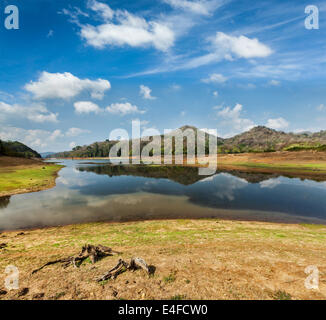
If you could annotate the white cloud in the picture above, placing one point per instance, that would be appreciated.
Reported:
(215, 93)
(74, 132)
(274, 83)
(123, 28)
(241, 47)
(321, 107)
(38, 139)
(55, 135)
(215, 78)
(222, 47)
(202, 7)
(102, 9)
(123, 108)
(145, 92)
(65, 86)
(233, 120)
(34, 112)
(276, 124)
(86, 107)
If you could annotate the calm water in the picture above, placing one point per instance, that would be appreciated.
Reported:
(100, 192)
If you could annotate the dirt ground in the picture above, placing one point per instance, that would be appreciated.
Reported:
(194, 259)
(300, 157)
(17, 163)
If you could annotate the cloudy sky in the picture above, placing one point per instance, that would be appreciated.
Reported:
(77, 69)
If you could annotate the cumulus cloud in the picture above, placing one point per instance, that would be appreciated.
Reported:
(215, 93)
(38, 139)
(74, 132)
(86, 107)
(278, 123)
(122, 28)
(55, 135)
(65, 86)
(215, 78)
(123, 109)
(201, 7)
(240, 47)
(233, 120)
(145, 92)
(35, 112)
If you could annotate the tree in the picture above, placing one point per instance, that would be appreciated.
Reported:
(2, 150)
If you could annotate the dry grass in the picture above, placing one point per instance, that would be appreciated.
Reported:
(194, 259)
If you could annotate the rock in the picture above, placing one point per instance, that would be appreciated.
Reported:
(3, 245)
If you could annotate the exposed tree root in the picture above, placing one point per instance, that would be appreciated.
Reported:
(88, 251)
(122, 266)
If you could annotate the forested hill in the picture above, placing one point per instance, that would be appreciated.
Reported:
(258, 139)
(17, 149)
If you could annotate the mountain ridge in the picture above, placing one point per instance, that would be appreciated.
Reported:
(257, 139)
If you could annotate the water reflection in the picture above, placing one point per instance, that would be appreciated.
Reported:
(4, 202)
(97, 192)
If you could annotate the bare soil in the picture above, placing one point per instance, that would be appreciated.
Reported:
(194, 259)
(17, 163)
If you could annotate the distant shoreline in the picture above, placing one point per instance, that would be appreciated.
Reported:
(303, 163)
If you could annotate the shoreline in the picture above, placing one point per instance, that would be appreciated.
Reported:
(16, 173)
(317, 224)
(301, 162)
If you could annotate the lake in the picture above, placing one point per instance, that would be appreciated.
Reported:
(97, 191)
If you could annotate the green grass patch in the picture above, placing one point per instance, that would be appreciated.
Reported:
(170, 278)
(286, 166)
(282, 295)
(306, 147)
(29, 178)
(178, 297)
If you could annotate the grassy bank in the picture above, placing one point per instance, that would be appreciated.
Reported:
(194, 259)
(24, 175)
(285, 167)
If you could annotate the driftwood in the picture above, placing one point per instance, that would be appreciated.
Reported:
(122, 266)
(88, 251)
(3, 245)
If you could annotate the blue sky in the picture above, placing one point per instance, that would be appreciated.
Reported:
(77, 69)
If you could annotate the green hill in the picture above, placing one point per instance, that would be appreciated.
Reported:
(17, 149)
(258, 139)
